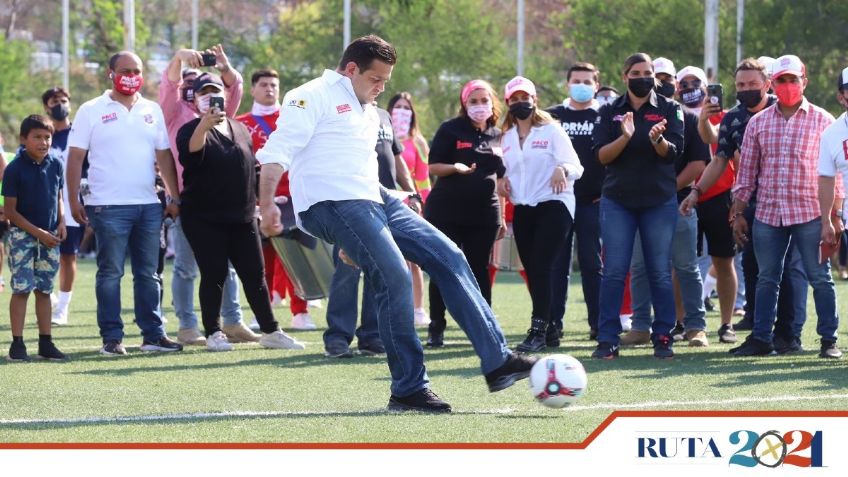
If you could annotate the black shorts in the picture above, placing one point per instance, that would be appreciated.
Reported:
(713, 215)
(71, 244)
(4, 227)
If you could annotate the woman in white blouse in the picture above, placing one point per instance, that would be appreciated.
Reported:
(541, 167)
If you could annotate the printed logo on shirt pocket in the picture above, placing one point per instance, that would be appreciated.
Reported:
(297, 103)
(148, 118)
(343, 108)
(654, 117)
(463, 145)
(539, 144)
(108, 118)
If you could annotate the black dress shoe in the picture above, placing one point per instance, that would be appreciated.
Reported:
(516, 367)
(534, 342)
(753, 347)
(435, 339)
(422, 401)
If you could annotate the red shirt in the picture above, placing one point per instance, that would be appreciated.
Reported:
(780, 162)
(727, 178)
(259, 137)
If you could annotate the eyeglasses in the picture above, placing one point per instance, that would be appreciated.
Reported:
(694, 84)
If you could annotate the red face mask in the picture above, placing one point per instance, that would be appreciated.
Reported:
(788, 94)
(127, 85)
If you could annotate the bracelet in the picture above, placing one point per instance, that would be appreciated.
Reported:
(836, 213)
(697, 189)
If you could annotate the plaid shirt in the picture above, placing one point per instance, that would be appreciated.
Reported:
(779, 161)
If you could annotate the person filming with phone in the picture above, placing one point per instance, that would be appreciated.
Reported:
(219, 213)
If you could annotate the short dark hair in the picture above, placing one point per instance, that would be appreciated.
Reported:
(53, 92)
(607, 88)
(266, 73)
(363, 51)
(582, 66)
(752, 64)
(35, 121)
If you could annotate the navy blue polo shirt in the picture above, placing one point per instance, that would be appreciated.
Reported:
(36, 187)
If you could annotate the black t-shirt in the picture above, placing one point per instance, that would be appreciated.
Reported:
(60, 143)
(219, 181)
(639, 177)
(579, 126)
(694, 149)
(467, 199)
(387, 147)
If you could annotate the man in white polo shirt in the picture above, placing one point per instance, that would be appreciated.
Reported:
(125, 136)
(326, 136)
(833, 158)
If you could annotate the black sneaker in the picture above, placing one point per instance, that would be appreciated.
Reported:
(593, 334)
(534, 342)
(422, 401)
(678, 333)
(726, 334)
(552, 336)
(338, 351)
(753, 347)
(516, 367)
(372, 349)
(708, 304)
(435, 339)
(18, 352)
(113, 348)
(745, 324)
(163, 345)
(605, 351)
(663, 347)
(48, 350)
(829, 350)
(787, 345)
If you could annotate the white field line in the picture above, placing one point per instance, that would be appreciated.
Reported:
(290, 414)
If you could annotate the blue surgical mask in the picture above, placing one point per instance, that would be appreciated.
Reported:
(581, 92)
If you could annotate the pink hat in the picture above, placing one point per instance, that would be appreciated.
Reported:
(470, 87)
(519, 83)
(788, 64)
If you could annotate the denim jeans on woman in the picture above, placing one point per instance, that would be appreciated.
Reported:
(380, 238)
(619, 225)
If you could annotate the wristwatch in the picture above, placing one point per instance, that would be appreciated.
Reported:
(173, 200)
(658, 140)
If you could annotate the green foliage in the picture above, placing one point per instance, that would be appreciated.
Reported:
(17, 93)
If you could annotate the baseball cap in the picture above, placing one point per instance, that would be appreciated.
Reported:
(788, 64)
(693, 71)
(664, 65)
(208, 79)
(767, 62)
(842, 82)
(519, 83)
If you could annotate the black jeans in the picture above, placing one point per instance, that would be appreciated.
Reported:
(476, 244)
(214, 244)
(540, 234)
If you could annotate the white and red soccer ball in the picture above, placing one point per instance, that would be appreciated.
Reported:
(558, 380)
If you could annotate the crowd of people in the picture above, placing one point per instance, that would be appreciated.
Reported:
(663, 189)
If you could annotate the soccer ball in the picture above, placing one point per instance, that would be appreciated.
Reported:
(558, 380)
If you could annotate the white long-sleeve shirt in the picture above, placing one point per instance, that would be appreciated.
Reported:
(529, 169)
(326, 140)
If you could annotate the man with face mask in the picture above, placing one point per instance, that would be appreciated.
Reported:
(125, 137)
(57, 105)
(577, 116)
(176, 96)
(326, 136)
(780, 161)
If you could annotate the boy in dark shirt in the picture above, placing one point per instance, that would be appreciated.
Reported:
(32, 190)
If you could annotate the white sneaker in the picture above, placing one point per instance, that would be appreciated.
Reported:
(280, 340)
(302, 321)
(276, 299)
(626, 323)
(60, 317)
(314, 304)
(421, 318)
(254, 325)
(218, 342)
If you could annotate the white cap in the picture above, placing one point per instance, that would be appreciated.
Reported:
(664, 65)
(788, 64)
(766, 61)
(692, 71)
(843, 79)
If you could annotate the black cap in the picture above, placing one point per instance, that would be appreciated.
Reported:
(207, 79)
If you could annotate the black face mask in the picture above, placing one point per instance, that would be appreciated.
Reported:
(60, 111)
(666, 89)
(641, 87)
(692, 97)
(749, 98)
(521, 110)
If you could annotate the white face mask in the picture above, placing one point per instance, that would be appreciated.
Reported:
(203, 101)
(401, 121)
(480, 112)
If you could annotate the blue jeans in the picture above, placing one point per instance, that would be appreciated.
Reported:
(379, 238)
(182, 284)
(619, 225)
(684, 259)
(770, 246)
(342, 306)
(740, 282)
(120, 229)
(587, 230)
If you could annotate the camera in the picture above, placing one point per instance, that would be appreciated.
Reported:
(216, 102)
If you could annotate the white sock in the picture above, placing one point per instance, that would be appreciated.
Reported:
(709, 286)
(64, 300)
